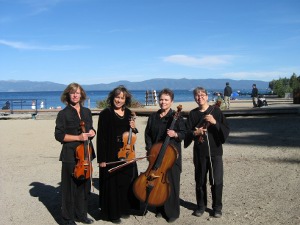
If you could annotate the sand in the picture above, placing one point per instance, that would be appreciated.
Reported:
(261, 181)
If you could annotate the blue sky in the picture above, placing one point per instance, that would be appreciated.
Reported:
(102, 41)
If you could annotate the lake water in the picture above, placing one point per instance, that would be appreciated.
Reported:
(51, 99)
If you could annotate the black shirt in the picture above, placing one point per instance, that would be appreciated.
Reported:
(68, 122)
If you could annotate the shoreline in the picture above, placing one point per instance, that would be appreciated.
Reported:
(237, 108)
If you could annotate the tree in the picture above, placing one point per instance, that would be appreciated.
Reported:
(285, 85)
(295, 81)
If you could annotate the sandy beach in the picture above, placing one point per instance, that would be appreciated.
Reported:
(261, 181)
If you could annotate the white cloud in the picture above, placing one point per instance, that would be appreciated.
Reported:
(24, 46)
(203, 62)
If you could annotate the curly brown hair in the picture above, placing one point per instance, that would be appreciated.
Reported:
(115, 92)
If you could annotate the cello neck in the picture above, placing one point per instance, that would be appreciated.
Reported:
(166, 141)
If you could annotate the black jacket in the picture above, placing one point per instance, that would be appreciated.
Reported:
(68, 122)
(217, 134)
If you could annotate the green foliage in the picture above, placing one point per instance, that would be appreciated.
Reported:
(103, 104)
(295, 82)
(285, 85)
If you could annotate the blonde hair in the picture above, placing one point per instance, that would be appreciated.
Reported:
(65, 96)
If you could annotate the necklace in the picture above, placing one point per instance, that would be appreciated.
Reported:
(120, 117)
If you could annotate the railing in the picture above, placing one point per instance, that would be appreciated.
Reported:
(11, 105)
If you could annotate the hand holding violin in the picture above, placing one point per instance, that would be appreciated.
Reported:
(199, 131)
(208, 120)
(86, 136)
(83, 136)
(103, 164)
(132, 124)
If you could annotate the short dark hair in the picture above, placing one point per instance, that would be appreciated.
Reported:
(166, 91)
(195, 91)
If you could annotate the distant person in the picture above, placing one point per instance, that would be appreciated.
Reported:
(254, 95)
(219, 100)
(33, 106)
(6, 105)
(42, 106)
(227, 95)
(208, 128)
(261, 102)
(74, 192)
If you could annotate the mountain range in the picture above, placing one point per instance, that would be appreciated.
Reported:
(152, 84)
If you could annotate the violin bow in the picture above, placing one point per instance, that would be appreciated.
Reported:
(126, 163)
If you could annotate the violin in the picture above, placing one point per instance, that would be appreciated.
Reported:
(204, 124)
(152, 187)
(127, 151)
(83, 169)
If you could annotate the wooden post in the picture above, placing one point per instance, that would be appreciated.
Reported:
(154, 97)
(146, 98)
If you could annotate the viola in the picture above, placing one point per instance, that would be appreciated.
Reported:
(152, 187)
(129, 138)
(83, 169)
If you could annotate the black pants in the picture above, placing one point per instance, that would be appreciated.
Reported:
(202, 167)
(74, 194)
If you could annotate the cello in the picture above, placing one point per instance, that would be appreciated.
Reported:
(83, 169)
(127, 151)
(152, 186)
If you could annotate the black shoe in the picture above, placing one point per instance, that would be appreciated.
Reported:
(217, 214)
(172, 219)
(85, 220)
(198, 212)
(116, 221)
(158, 215)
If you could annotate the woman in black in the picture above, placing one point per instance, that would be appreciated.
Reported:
(68, 132)
(157, 130)
(116, 195)
(208, 128)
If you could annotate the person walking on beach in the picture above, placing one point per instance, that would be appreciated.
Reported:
(157, 129)
(208, 128)
(33, 105)
(254, 95)
(74, 192)
(116, 195)
(227, 95)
